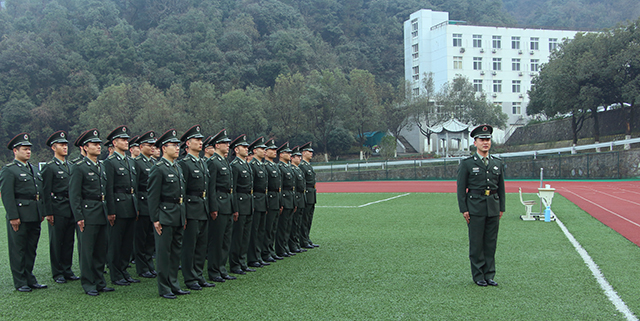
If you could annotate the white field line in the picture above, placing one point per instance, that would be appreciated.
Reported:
(606, 209)
(611, 294)
(367, 204)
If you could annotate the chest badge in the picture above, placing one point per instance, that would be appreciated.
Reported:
(476, 169)
(495, 167)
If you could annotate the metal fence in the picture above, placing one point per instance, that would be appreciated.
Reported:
(559, 163)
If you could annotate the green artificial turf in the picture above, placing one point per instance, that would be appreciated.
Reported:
(402, 259)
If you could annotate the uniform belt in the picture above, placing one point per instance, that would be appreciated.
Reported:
(175, 200)
(274, 190)
(33, 197)
(311, 185)
(288, 188)
(61, 194)
(99, 198)
(244, 190)
(201, 194)
(223, 190)
(483, 191)
(123, 190)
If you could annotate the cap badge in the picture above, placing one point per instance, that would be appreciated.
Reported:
(26, 136)
(62, 135)
(124, 129)
(150, 134)
(174, 133)
(197, 128)
(484, 129)
(95, 133)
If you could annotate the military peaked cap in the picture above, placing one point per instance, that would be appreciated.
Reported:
(193, 132)
(21, 139)
(482, 131)
(170, 136)
(148, 137)
(220, 137)
(296, 151)
(271, 144)
(119, 132)
(258, 143)
(239, 141)
(284, 148)
(207, 142)
(134, 141)
(57, 137)
(90, 136)
(306, 147)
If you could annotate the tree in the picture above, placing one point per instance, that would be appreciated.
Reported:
(363, 108)
(422, 109)
(458, 100)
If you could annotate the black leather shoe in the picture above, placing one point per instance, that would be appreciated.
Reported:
(168, 296)
(207, 284)
(296, 251)
(238, 272)
(255, 264)
(492, 282)
(72, 278)
(278, 257)
(250, 270)
(291, 254)
(266, 263)
(270, 259)
(308, 246)
(132, 280)
(60, 280)
(195, 287)
(122, 282)
(154, 273)
(24, 288)
(302, 250)
(283, 255)
(38, 286)
(481, 283)
(107, 289)
(147, 275)
(218, 279)
(229, 277)
(93, 293)
(182, 292)
(315, 245)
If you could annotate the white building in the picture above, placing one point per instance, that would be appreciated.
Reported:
(499, 61)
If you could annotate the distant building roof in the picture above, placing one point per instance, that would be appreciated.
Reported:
(451, 125)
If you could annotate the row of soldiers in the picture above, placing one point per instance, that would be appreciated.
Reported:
(183, 210)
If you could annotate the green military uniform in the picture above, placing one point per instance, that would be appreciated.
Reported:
(480, 190)
(165, 198)
(274, 183)
(310, 193)
(258, 227)
(86, 197)
(299, 201)
(220, 189)
(194, 245)
(121, 202)
(243, 197)
(287, 201)
(55, 175)
(144, 244)
(21, 189)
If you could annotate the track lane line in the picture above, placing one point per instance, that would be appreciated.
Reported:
(604, 208)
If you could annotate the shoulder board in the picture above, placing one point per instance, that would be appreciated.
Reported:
(10, 164)
(50, 162)
(139, 157)
(112, 156)
(495, 157)
(470, 157)
(234, 161)
(77, 162)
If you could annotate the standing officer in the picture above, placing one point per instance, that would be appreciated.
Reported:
(86, 196)
(166, 194)
(55, 175)
(144, 244)
(274, 209)
(299, 201)
(243, 197)
(223, 209)
(254, 255)
(481, 199)
(310, 193)
(208, 148)
(121, 201)
(194, 246)
(21, 189)
(288, 204)
(134, 146)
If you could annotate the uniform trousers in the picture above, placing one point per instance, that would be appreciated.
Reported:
(483, 238)
(61, 240)
(23, 245)
(168, 246)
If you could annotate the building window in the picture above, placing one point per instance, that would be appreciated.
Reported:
(515, 64)
(515, 43)
(414, 28)
(497, 42)
(414, 48)
(477, 41)
(535, 64)
(497, 86)
(416, 92)
(457, 40)
(516, 108)
(553, 44)
(457, 62)
(477, 63)
(515, 86)
(497, 63)
(535, 43)
(477, 85)
(416, 70)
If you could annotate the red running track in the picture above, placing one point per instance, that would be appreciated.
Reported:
(614, 203)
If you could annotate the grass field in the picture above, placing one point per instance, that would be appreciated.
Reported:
(406, 258)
